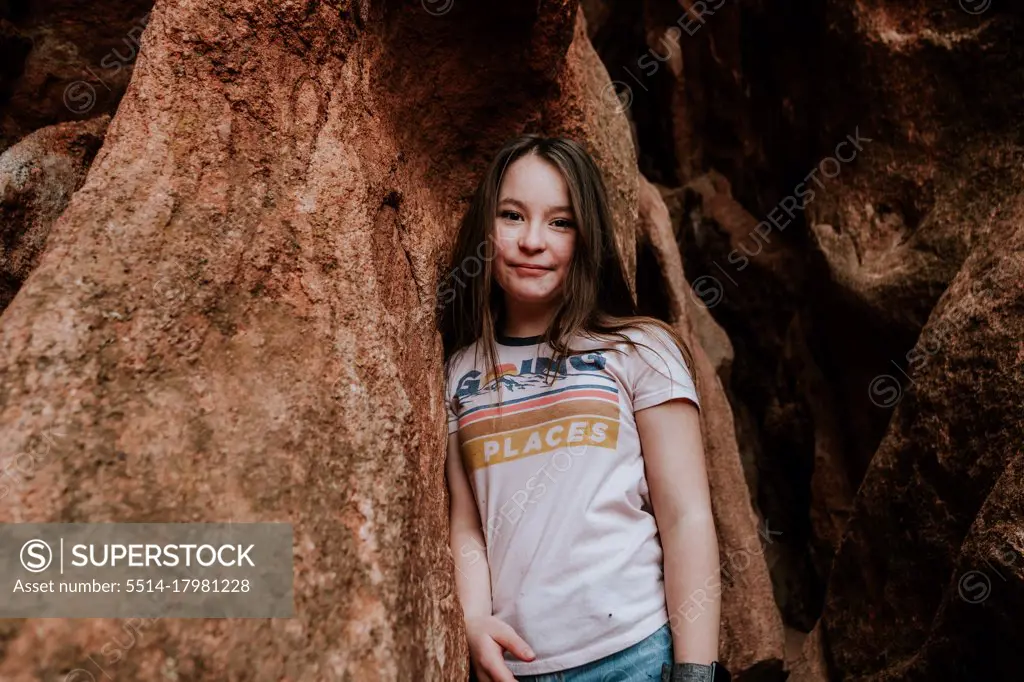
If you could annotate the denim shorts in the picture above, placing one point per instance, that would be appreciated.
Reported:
(639, 663)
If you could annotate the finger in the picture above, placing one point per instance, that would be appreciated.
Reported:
(510, 639)
(497, 671)
(493, 664)
(481, 675)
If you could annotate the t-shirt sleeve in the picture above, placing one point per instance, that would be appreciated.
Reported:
(661, 375)
(453, 420)
(449, 393)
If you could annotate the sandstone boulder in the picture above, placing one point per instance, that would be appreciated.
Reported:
(37, 178)
(233, 321)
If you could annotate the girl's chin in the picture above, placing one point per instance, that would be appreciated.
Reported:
(531, 297)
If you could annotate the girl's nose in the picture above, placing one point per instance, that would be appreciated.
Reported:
(532, 238)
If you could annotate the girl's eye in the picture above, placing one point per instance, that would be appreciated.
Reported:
(564, 223)
(510, 215)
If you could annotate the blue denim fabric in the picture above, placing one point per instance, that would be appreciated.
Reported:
(639, 663)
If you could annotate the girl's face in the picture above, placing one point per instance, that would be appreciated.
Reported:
(535, 232)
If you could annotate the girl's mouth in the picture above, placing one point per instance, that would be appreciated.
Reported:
(530, 270)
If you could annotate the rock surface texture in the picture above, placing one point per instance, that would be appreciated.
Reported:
(751, 641)
(37, 178)
(219, 305)
(62, 60)
(846, 172)
(234, 317)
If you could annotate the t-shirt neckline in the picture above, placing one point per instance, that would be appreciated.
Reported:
(517, 340)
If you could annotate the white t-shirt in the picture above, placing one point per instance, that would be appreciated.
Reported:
(558, 477)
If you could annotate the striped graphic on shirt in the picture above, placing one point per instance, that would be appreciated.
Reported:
(571, 416)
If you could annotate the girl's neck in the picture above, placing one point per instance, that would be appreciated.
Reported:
(520, 322)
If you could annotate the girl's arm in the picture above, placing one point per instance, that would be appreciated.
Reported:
(472, 577)
(670, 439)
(487, 636)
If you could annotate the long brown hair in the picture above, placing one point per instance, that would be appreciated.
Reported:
(596, 299)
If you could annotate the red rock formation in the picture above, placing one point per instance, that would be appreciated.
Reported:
(927, 94)
(61, 60)
(807, 662)
(929, 579)
(752, 638)
(37, 178)
(233, 321)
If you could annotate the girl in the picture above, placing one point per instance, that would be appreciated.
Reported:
(581, 521)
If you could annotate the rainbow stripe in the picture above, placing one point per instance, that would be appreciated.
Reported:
(574, 416)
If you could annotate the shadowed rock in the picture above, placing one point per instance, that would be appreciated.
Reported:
(751, 632)
(939, 509)
(37, 178)
(62, 60)
(745, 107)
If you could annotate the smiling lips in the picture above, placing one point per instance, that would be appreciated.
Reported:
(531, 270)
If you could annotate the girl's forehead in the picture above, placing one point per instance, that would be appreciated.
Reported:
(532, 179)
